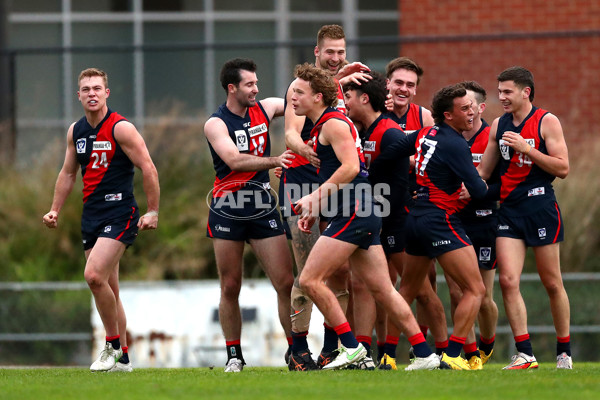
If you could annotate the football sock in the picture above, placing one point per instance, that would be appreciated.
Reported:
(391, 342)
(470, 350)
(486, 345)
(563, 345)
(234, 349)
(299, 342)
(330, 340)
(420, 347)
(114, 341)
(524, 344)
(455, 345)
(380, 350)
(346, 336)
(125, 357)
(441, 347)
(366, 342)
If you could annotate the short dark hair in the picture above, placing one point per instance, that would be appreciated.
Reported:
(403, 63)
(521, 76)
(230, 72)
(443, 101)
(475, 87)
(320, 81)
(375, 88)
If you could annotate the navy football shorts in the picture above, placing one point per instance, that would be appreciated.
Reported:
(124, 229)
(362, 231)
(246, 214)
(393, 237)
(483, 236)
(434, 234)
(543, 227)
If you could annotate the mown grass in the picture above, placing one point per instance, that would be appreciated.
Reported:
(277, 383)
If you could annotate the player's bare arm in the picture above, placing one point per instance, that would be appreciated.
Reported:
(427, 117)
(217, 134)
(293, 130)
(491, 155)
(273, 106)
(556, 162)
(134, 147)
(64, 182)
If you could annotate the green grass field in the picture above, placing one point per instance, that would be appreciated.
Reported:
(277, 383)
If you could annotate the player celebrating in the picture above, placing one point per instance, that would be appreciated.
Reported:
(529, 144)
(238, 138)
(107, 147)
(353, 233)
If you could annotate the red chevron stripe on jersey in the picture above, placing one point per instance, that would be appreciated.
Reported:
(520, 165)
(104, 147)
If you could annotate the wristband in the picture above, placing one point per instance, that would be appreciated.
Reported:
(151, 214)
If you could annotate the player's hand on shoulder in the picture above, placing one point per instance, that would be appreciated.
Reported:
(51, 219)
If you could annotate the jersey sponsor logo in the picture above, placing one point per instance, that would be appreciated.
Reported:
(257, 130)
(369, 145)
(485, 254)
(441, 243)
(542, 233)
(504, 150)
(220, 228)
(107, 229)
(241, 140)
(113, 197)
(503, 227)
(538, 191)
(483, 213)
(80, 146)
(477, 158)
(102, 145)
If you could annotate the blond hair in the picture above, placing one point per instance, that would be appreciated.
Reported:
(90, 72)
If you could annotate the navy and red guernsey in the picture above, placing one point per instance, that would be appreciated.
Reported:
(386, 167)
(106, 170)
(411, 121)
(251, 136)
(301, 170)
(329, 161)
(476, 209)
(442, 164)
(525, 187)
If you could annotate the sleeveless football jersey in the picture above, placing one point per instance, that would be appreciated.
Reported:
(251, 136)
(411, 121)
(525, 187)
(106, 170)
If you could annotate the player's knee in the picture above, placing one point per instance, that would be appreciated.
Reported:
(508, 282)
(553, 287)
(230, 288)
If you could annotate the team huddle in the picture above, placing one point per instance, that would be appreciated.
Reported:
(373, 189)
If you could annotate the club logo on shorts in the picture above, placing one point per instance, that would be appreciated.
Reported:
(485, 254)
(107, 229)
(241, 140)
(542, 233)
(113, 197)
(391, 241)
(273, 223)
(80, 146)
(538, 191)
(441, 243)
